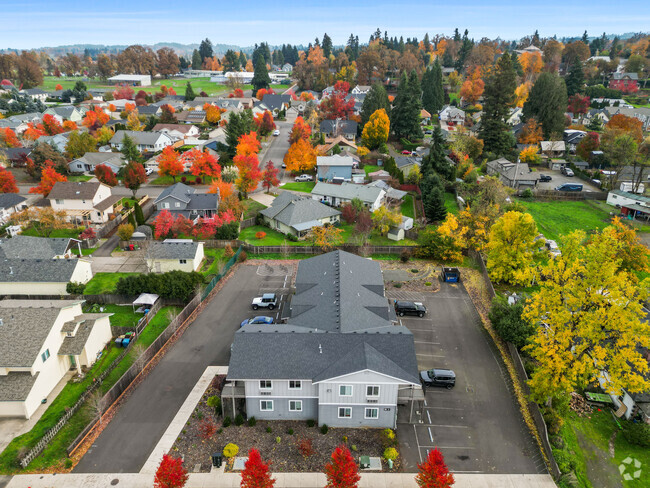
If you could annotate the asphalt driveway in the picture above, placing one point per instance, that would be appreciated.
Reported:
(559, 179)
(125, 445)
(477, 424)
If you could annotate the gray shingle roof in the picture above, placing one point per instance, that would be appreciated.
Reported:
(179, 191)
(174, 250)
(16, 386)
(8, 200)
(291, 209)
(102, 157)
(28, 247)
(75, 345)
(74, 190)
(347, 191)
(203, 201)
(144, 138)
(344, 126)
(37, 270)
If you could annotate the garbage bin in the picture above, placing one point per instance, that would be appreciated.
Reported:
(217, 459)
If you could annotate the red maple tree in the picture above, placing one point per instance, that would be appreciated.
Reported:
(141, 98)
(89, 233)
(270, 176)
(238, 93)
(578, 104)
(32, 132)
(49, 177)
(169, 163)
(342, 471)
(123, 92)
(134, 176)
(300, 130)
(7, 182)
(256, 473)
(162, 224)
(203, 164)
(433, 473)
(249, 172)
(264, 122)
(50, 125)
(58, 87)
(105, 175)
(182, 226)
(8, 138)
(170, 473)
(95, 118)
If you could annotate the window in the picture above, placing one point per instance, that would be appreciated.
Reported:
(265, 384)
(59, 201)
(345, 413)
(266, 405)
(165, 205)
(372, 413)
(295, 405)
(182, 261)
(177, 204)
(372, 391)
(345, 390)
(45, 355)
(295, 385)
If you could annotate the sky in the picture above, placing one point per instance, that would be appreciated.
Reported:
(31, 24)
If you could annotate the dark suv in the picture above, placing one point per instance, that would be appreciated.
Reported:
(438, 377)
(409, 308)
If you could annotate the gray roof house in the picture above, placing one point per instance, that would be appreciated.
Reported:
(514, 175)
(174, 255)
(297, 214)
(333, 128)
(341, 358)
(181, 199)
(330, 167)
(9, 204)
(88, 162)
(336, 195)
(40, 341)
(66, 112)
(29, 247)
(144, 141)
(41, 276)
(275, 103)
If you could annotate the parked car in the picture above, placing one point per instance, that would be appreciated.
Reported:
(545, 178)
(406, 152)
(569, 187)
(148, 171)
(409, 308)
(566, 171)
(428, 132)
(438, 377)
(284, 165)
(260, 319)
(268, 300)
(276, 132)
(303, 178)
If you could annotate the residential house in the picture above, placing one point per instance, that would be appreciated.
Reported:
(40, 341)
(84, 202)
(572, 138)
(274, 103)
(16, 155)
(174, 255)
(514, 175)
(150, 110)
(179, 132)
(625, 82)
(452, 116)
(327, 91)
(132, 80)
(286, 68)
(35, 94)
(65, 112)
(360, 89)
(514, 115)
(89, 161)
(144, 141)
(380, 175)
(406, 164)
(30, 247)
(180, 199)
(335, 128)
(191, 117)
(337, 168)
(42, 276)
(392, 194)
(57, 141)
(10, 203)
(228, 103)
(340, 141)
(296, 215)
(630, 204)
(640, 113)
(596, 113)
(337, 195)
(553, 149)
(530, 49)
(350, 363)
(425, 117)
(246, 102)
(629, 177)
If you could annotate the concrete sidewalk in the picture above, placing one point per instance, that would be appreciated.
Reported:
(284, 480)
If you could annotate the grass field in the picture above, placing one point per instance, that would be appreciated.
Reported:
(81, 178)
(178, 84)
(251, 208)
(84, 252)
(407, 207)
(369, 168)
(273, 237)
(450, 203)
(104, 283)
(304, 186)
(73, 233)
(215, 256)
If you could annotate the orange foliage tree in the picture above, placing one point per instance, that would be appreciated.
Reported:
(300, 157)
(264, 91)
(95, 119)
(69, 125)
(50, 125)
(531, 63)
(8, 138)
(203, 164)
(169, 163)
(7, 182)
(58, 87)
(631, 125)
(212, 113)
(248, 144)
(32, 133)
(521, 94)
(300, 130)
(223, 188)
(49, 178)
(247, 163)
(531, 132)
(473, 87)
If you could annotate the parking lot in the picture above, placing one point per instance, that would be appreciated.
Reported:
(559, 179)
(477, 424)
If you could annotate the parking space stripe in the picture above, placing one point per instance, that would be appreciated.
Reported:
(430, 435)
(447, 447)
(415, 431)
(429, 416)
(446, 408)
(426, 342)
(430, 355)
(450, 426)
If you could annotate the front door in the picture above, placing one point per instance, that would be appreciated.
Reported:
(73, 362)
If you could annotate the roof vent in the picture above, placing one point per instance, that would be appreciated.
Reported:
(320, 349)
(1, 322)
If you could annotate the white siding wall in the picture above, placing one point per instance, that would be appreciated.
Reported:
(83, 272)
(13, 409)
(198, 258)
(30, 288)
(100, 335)
(164, 265)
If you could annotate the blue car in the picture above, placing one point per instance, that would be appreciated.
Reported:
(261, 319)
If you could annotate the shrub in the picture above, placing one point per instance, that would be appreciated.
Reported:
(311, 422)
(414, 270)
(388, 437)
(345, 439)
(397, 285)
(198, 180)
(68, 463)
(292, 238)
(207, 429)
(637, 433)
(278, 439)
(183, 179)
(214, 402)
(269, 430)
(405, 255)
(231, 450)
(354, 447)
(125, 231)
(557, 442)
(220, 431)
(239, 419)
(527, 193)
(228, 252)
(243, 256)
(306, 448)
(390, 453)
(75, 288)
(290, 431)
(324, 428)
(565, 461)
(173, 284)
(252, 421)
(227, 422)
(139, 216)
(199, 415)
(553, 421)
(260, 235)
(428, 283)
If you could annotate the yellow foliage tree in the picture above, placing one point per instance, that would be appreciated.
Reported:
(326, 236)
(375, 132)
(591, 319)
(454, 236)
(362, 151)
(521, 94)
(383, 219)
(531, 63)
(530, 155)
(133, 122)
(300, 157)
(512, 248)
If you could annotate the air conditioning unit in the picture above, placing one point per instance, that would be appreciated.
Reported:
(265, 392)
(372, 401)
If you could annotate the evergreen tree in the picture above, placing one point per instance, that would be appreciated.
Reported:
(585, 38)
(405, 115)
(499, 96)
(437, 159)
(463, 53)
(189, 92)
(516, 65)
(205, 49)
(242, 59)
(139, 215)
(261, 77)
(129, 149)
(575, 79)
(433, 95)
(132, 220)
(376, 99)
(238, 125)
(434, 205)
(547, 102)
(327, 45)
(197, 62)
(447, 59)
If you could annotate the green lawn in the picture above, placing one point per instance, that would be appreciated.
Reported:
(104, 283)
(558, 218)
(273, 237)
(84, 252)
(450, 203)
(79, 178)
(216, 257)
(370, 168)
(123, 315)
(168, 180)
(73, 233)
(304, 186)
(375, 239)
(407, 207)
(251, 207)
(198, 85)
(596, 431)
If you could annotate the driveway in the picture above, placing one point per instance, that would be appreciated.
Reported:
(123, 262)
(477, 424)
(278, 147)
(559, 179)
(126, 443)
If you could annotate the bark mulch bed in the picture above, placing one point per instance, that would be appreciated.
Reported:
(284, 456)
(423, 277)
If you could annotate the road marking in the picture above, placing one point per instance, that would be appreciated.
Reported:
(430, 355)
(425, 402)
(426, 342)
(428, 415)
(447, 408)
(450, 426)
(447, 447)
(420, 330)
(430, 435)
(417, 442)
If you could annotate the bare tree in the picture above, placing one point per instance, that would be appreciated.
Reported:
(97, 404)
(284, 250)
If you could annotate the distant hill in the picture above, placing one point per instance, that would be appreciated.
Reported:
(181, 49)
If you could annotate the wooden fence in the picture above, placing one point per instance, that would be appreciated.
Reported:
(566, 195)
(245, 223)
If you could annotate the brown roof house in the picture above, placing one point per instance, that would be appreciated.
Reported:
(84, 202)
